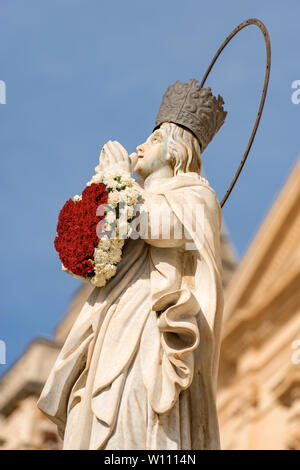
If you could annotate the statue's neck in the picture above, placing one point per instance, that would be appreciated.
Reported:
(158, 177)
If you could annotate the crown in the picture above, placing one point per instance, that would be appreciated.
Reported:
(193, 107)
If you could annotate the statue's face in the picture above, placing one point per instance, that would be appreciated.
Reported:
(152, 155)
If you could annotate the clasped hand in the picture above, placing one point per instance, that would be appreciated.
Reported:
(114, 156)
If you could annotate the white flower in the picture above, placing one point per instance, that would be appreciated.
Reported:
(130, 196)
(77, 198)
(104, 243)
(108, 251)
(117, 179)
(110, 217)
(117, 243)
(98, 178)
(127, 180)
(103, 272)
(107, 227)
(113, 198)
(99, 279)
(109, 270)
(101, 256)
(110, 182)
(115, 256)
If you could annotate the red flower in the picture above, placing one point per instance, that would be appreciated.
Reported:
(76, 230)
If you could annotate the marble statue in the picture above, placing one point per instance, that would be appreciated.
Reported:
(139, 367)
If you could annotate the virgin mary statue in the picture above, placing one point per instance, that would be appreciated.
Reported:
(138, 369)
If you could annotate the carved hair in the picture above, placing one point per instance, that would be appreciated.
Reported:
(183, 149)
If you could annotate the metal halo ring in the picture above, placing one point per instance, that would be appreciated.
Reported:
(264, 30)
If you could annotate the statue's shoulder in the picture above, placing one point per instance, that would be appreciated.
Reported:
(190, 178)
(197, 185)
(193, 181)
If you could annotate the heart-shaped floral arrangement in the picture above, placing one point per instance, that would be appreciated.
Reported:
(87, 246)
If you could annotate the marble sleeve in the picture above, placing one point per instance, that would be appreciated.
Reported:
(160, 227)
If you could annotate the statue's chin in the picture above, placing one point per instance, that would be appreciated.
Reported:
(140, 171)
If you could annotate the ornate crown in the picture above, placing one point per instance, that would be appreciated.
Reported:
(193, 107)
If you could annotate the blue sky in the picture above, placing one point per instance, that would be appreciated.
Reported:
(79, 73)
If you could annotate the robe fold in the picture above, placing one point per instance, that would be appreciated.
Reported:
(138, 369)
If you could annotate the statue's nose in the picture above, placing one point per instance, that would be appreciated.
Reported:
(140, 148)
